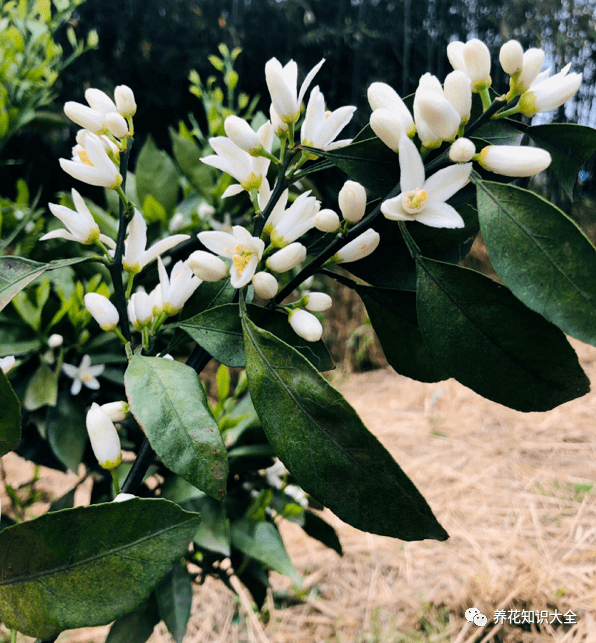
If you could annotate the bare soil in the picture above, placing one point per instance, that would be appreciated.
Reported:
(516, 492)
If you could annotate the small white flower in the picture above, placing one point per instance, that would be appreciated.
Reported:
(265, 285)
(7, 363)
(472, 58)
(387, 126)
(136, 257)
(55, 340)
(83, 374)
(282, 83)
(514, 160)
(285, 226)
(306, 325)
(102, 309)
(244, 250)
(352, 201)
(275, 473)
(140, 309)
(362, 246)
(206, 210)
(546, 95)
(207, 266)
(511, 57)
(382, 96)
(320, 128)
(177, 289)
(462, 150)
(424, 200)
(92, 164)
(297, 494)
(287, 258)
(125, 100)
(327, 220)
(317, 301)
(103, 437)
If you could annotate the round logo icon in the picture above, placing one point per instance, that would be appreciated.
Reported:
(471, 612)
(480, 620)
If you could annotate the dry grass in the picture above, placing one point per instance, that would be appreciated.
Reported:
(513, 490)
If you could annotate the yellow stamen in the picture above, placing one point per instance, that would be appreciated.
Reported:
(414, 201)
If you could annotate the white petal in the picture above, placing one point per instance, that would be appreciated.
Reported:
(76, 387)
(308, 80)
(410, 165)
(440, 215)
(60, 234)
(239, 280)
(446, 182)
(136, 241)
(221, 243)
(392, 209)
(233, 190)
(162, 246)
(71, 370)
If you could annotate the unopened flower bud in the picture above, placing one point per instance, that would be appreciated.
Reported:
(327, 221)
(116, 411)
(306, 325)
(86, 117)
(287, 258)
(125, 101)
(140, 309)
(360, 247)
(104, 437)
(511, 57)
(387, 126)
(513, 160)
(242, 134)
(437, 119)
(117, 124)
(102, 309)
(207, 266)
(265, 285)
(352, 201)
(458, 93)
(532, 64)
(55, 340)
(477, 59)
(383, 96)
(100, 101)
(462, 150)
(317, 301)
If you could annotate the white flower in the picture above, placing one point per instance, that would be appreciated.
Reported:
(317, 301)
(135, 256)
(352, 201)
(297, 494)
(287, 258)
(7, 363)
(382, 96)
(83, 374)
(246, 169)
(265, 285)
(436, 119)
(424, 200)
(207, 267)
(306, 325)
(125, 100)
(116, 411)
(282, 83)
(103, 437)
(140, 309)
(55, 340)
(511, 57)
(177, 289)
(462, 150)
(320, 127)
(274, 474)
(472, 58)
(285, 226)
(102, 309)
(81, 225)
(327, 220)
(244, 250)
(548, 94)
(514, 160)
(360, 247)
(92, 164)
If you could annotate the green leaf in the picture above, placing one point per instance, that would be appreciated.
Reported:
(174, 599)
(500, 132)
(219, 331)
(188, 156)
(322, 531)
(327, 448)
(157, 176)
(368, 161)
(261, 541)
(10, 418)
(393, 316)
(17, 273)
(42, 389)
(88, 566)
(570, 146)
(542, 256)
(169, 402)
(489, 341)
(214, 531)
(153, 211)
(137, 626)
(67, 431)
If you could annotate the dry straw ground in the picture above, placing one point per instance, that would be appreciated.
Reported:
(516, 492)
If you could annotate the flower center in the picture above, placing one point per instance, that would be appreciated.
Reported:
(85, 377)
(414, 201)
(241, 257)
(84, 157)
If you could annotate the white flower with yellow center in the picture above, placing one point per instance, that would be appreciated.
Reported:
(421, 199)
(321, 127)
(244, 250)
(91, 164)
(83, 374)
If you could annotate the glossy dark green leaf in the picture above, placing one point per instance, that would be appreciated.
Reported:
(17, 273)
(393, 316)
(500, 132)
(327, 448)
(137, 626)
(188, 155)
(88, 566)
(214, 531)
(174, 599)
(261, 541)
(10, 417)
(542, 256)
(42, 389)
(67, 431)
(322, 531)
(570, 146)
(157, 176)
(489, 341)
(169, 402)
(368, 161)
(219, 331)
